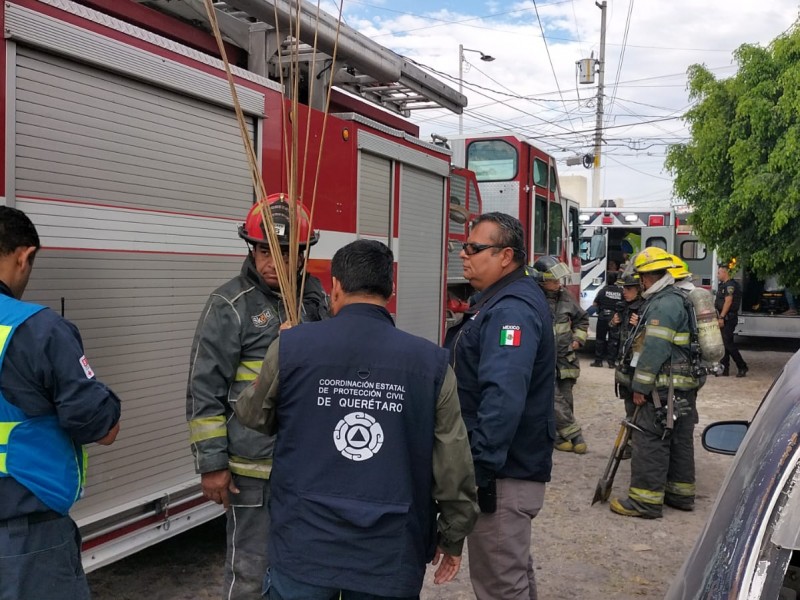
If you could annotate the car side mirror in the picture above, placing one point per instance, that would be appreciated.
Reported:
(724, 437)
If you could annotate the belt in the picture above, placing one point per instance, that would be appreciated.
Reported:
(33, 518)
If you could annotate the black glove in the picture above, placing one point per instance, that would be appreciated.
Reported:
(487, 497)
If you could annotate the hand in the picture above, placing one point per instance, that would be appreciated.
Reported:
(721, 322)
(286, 325)
(448, 569)
(109, 438)
(638, 399)
(575, 345)
(615, 320)
(216, 485)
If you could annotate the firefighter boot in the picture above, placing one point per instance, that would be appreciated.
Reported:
(579, 444)
(563, 445)
(626, 508)
(597, 363)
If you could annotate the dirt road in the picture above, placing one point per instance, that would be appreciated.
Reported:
(581, 551)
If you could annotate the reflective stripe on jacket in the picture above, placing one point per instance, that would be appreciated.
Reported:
(570, 324)
(36, 451)
(239, 322)
(663, 345)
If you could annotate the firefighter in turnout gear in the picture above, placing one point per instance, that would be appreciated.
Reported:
(607, 339)
(664, 386)
(624, 321)
(239, 322)
(571, 324)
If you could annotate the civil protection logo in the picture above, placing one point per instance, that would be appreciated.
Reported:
(358, 436)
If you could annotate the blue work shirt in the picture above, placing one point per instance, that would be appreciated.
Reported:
(42, 374)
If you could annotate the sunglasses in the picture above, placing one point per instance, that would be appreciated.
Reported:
(471, 248)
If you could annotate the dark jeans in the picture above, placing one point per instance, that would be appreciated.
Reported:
(731, 351)
(41, 560)
(283, 587)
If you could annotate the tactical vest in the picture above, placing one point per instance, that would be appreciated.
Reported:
(351, 501)
(36, 451)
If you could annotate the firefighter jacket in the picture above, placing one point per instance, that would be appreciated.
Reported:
(362, 427)
(570, 324)
(50, 405)
(239, 322)
(503, 354)
(622, 375)
(662, 345)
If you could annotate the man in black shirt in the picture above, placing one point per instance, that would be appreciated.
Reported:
(728, 300)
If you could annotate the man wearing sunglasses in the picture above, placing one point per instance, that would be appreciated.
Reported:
(503, 354)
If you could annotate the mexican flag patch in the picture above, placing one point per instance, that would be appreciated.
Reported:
(510, 335)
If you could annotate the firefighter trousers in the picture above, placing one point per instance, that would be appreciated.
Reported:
(662, 466)
(246, 561)
(566, 426)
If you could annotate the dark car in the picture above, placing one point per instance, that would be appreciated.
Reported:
(750, 546)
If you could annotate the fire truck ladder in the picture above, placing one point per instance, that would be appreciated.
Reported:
(363, 67)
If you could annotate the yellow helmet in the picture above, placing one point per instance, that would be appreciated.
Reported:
(680, 270)
(652, 259)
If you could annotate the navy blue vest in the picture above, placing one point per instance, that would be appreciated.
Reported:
(351, 499)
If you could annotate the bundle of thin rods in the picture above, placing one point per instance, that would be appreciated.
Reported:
(292, 297)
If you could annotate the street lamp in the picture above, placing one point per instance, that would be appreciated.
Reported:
(484, 58)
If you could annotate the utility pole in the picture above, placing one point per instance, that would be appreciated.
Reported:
(598, 128)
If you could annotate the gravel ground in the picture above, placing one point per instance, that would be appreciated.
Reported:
(581, 551)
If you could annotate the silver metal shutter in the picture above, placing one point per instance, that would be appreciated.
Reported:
(374, 197)
(87, 135)
(419, 277)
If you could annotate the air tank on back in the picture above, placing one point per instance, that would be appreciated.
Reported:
(708, 333)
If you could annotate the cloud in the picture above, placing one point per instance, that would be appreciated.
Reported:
(519, 90)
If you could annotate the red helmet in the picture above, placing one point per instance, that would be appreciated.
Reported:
(253, 229)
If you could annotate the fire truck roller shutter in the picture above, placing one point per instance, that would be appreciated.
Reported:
(137, 192)
(420, 261)
(374, 197)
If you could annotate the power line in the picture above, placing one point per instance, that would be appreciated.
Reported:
(621, 55)
(550, 58)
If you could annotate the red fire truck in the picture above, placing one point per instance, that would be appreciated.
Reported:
(517, 178)
(120, 142)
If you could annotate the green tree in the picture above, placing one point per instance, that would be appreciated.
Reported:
(741, 170)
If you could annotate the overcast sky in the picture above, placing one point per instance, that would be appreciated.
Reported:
(645, 74)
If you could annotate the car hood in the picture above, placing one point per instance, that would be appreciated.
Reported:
(716, 565)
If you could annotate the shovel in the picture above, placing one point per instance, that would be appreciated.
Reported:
(603, 489)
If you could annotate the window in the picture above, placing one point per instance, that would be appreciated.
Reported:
(473, 197)
(539, 172)
(658, 242)
(574, 229)
(553, 179)
(556, 229)
(492, 160)
(693, 250)
(458, 192)
(540, 225)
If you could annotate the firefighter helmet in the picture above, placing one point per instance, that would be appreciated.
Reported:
(253, 229)
(548, 268)
(680, 270)
(628, 280)
(653, 259)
